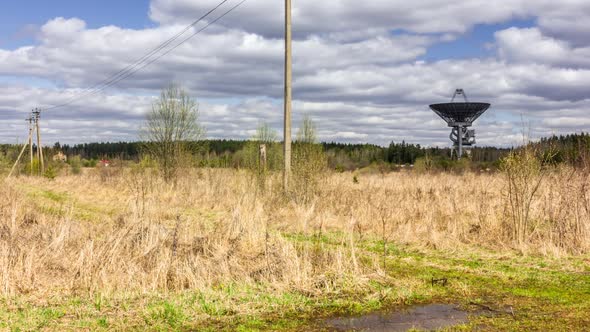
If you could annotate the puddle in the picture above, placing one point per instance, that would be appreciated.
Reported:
(427, 317)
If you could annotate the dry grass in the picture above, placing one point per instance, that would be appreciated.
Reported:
(129, 232)
(211, 229)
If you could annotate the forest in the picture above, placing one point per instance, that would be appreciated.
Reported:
(223, 153)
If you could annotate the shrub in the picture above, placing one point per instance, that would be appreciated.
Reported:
(5, 163)
(309, 162)
(34, 167)
(75, 164)
(50, 172)
(250, 154)
(89, 163)
(523, 172)
(423, 164)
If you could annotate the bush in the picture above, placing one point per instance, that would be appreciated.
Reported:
(4, 162)
(140, 180)
(75, 164)
(523, 172)
(423, 164)
(461, 165)
(250, 154)
(89, 163)
(339, 168)
(309, 163)
(50, 172)
(33, 168)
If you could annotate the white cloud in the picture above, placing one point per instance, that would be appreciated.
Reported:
(60, 30)
(313, 17)
(567, 20)
(360, 80)
(530, 45)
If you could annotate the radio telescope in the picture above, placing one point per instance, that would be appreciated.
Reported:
(459, 116)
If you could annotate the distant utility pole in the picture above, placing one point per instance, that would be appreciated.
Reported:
(30, 120)
(287, 120)
(37, 114)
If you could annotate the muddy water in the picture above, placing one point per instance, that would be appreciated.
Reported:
(427, 317)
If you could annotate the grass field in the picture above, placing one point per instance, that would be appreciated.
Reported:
(118, 249)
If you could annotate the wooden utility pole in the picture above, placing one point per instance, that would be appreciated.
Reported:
(30, 120)
(37, 114)
(287, 120)
(262, 157)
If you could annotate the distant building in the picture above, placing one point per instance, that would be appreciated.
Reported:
(60, 156)
(104, 163)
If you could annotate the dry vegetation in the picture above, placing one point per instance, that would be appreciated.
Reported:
(124, 232)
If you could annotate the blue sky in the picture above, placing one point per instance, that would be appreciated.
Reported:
(365, 72)
(475, 43)
(17, 16)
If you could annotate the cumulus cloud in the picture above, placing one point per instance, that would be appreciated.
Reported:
(567, 20)
(530, 45)
(322, 17)
(357, 70)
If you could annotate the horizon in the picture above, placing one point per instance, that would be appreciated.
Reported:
(207, 139)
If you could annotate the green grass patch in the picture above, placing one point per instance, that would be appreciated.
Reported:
(526, 293)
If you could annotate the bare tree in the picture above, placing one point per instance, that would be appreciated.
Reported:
(309, 161)
(171, 129)
(265, 134)
(307, 133)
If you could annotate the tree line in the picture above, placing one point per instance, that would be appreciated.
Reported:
(229, 153)
(342, 156)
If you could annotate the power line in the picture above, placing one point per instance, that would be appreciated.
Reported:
(139, 61)
(143, 61)
(182, 42)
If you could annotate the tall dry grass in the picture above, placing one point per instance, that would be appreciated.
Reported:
(135, 233)
(128, 231)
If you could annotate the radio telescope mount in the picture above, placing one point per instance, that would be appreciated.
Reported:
(460, 116)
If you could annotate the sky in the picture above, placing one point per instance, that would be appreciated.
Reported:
(365, 72)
